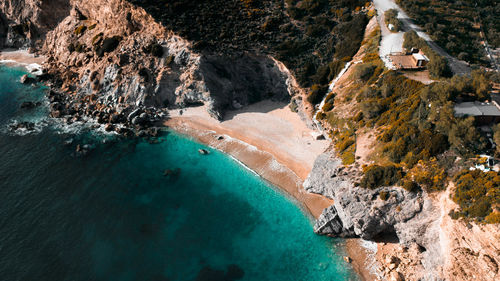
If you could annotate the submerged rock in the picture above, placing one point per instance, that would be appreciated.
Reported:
(203, 151)
(29, 105)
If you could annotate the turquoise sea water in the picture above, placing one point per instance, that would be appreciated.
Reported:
(113, 215)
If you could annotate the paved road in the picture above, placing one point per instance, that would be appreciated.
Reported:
(457, 66)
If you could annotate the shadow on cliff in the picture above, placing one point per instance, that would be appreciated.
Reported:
(387, 237)
(236, 82)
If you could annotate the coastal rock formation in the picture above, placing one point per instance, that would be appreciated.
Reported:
(429, 244)
(404, 217)
(116, 52)
(23, 22)
(359, 211)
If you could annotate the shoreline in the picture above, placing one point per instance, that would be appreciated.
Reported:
(268, 164)
(257, 155)
(22, 58)
(281, 170)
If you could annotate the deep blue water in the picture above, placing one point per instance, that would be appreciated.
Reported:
(113, 215)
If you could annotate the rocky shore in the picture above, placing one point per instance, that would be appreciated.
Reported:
(112, 63)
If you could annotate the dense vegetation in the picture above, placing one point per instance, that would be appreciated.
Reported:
(478, 195)
(313, 38)
(391, 17)
(454, 25)
(418, 137)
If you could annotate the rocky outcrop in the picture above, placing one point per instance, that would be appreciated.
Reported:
(27, 21)
(116, 52)
(410, 218)
(358, 211)
(430, 245)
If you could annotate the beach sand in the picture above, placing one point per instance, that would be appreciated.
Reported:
(266, 137)
(276, 144)
(22, 58)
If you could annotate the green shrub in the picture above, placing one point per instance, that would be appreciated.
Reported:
(317, 93)
(293, 106)
(364, 71)
(320, 115)
(96, 38)
(410, 186)
(493, 217)
(376, 176)
(384, 195)
(91, 27)
(343, 145)
(391, 17)
(80, 30)
(330, 97)
(348, 157)
(476, 192)
(327, 106)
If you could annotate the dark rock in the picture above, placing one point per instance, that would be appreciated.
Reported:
(134, 113)
(153, 132)
(115, 118)
(142, 119)
(55, 114)
(211, 274)
(29, 126)
(44, 77)
(157, 50)
(109, 127)
(203, 151)
(25, 79)
(108, 45)
(29, 105)
(123, 59)
(234, 272)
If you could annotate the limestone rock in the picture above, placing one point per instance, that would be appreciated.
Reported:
(357, 211)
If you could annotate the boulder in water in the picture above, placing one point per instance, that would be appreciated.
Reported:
(203, 151)
(29, 105)
(25, 79)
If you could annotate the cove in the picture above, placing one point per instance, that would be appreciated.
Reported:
(114, 215)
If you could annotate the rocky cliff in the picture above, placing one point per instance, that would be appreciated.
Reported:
(110, 57)
(431, 246)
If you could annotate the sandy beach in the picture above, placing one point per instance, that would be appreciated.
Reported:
(266, 137)
(22, 58)
(276, 144)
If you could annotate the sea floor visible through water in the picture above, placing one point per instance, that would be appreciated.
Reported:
(113, 214)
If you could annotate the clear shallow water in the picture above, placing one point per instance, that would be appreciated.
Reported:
(113, 215)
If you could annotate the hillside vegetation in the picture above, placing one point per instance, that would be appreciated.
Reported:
(418, 140)
(454, 25)
(311, 37)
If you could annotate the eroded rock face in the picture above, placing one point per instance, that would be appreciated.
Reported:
(26, 21)
(360, 212)
(117, 52)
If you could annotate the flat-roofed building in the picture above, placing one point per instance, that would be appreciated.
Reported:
(483, 112)
(420, 59)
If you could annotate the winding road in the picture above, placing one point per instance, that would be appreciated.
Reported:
(392, 42)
